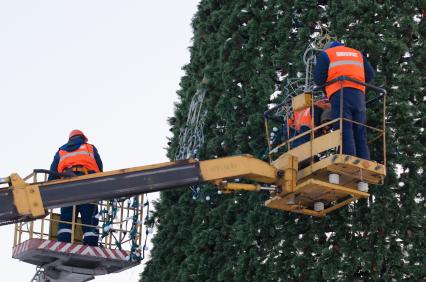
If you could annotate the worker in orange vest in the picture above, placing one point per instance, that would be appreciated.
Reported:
(335, 61)
(77, 157)
(302, 121)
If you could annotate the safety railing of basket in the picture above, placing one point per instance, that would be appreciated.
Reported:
(120, 222)
(286, 143)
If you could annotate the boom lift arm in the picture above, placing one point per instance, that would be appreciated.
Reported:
(21, 201)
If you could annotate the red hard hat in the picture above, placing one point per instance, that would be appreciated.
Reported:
(76, 132)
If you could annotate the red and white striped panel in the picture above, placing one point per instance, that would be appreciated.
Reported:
(25, 246)
(70, 248)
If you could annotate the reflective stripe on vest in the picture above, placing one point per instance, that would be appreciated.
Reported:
(347, 62)
(344, 61)
(75, 154)
(83, 156)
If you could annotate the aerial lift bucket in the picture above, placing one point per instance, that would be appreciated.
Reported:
(331, 179)
(36, 242)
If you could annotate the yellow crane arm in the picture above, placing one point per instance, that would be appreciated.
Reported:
(22, 201)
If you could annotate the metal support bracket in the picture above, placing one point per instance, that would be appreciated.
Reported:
(27, 198)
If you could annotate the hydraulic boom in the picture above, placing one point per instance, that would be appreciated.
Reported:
(21, 201)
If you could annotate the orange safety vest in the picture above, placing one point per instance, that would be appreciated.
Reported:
(344, 61)
(83, 156)
(301, 117)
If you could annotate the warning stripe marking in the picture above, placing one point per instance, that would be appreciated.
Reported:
(44, 244)
(54, 246)
(71, 248)
(76, 249)
(89, 251)
(65, 248)
(120, 254)
(101, 252)
(111, 254)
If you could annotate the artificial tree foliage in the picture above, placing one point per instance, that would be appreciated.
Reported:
(244, 48)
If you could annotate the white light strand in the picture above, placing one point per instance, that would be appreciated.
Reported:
(191, 136)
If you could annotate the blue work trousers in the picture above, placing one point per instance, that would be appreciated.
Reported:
(354, 135)
(88, 212)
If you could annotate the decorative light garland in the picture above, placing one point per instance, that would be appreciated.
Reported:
(109, 213)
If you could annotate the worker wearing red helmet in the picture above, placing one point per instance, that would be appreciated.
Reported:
(77, 157)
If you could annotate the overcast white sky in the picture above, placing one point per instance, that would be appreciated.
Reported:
(109, 68)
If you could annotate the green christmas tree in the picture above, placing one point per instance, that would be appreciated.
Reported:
(241, 51)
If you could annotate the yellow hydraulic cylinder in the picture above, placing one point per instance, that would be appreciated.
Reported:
(240, 186)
